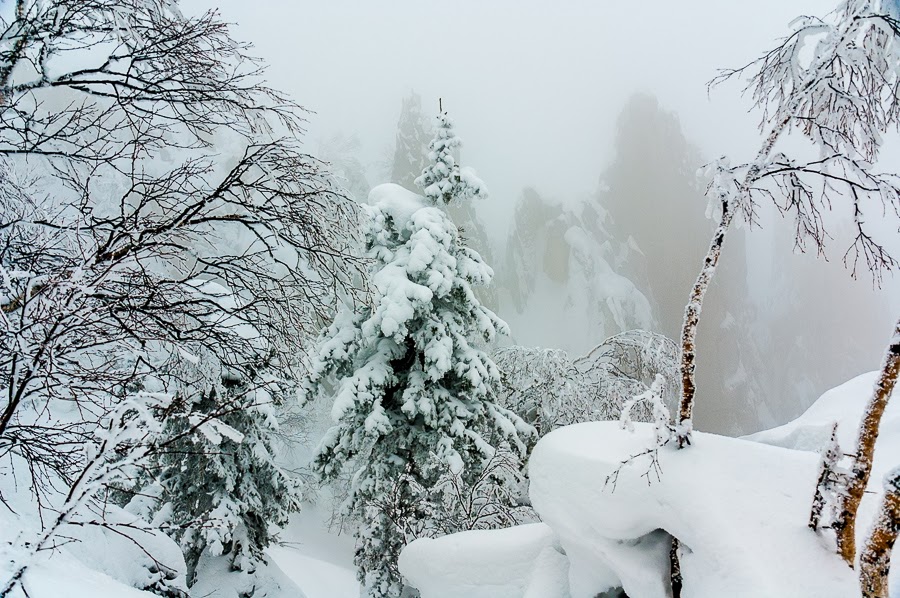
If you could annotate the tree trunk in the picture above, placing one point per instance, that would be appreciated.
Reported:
(845, 521)
(695, 303)
(828, 479)
(875, 559)
(675, 569)
(691, 320)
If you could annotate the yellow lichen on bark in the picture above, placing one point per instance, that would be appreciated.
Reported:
(875, 558)
(845, 522)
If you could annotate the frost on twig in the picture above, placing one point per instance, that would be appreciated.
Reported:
(831, 484)
(665, 431)
(550, 389)
(121, 449)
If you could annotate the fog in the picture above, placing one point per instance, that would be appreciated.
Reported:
(537, 92)
(534, 88)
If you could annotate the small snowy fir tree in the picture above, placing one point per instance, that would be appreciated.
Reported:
(415, 395)
(447, 184)
(443, 181)
(223, 493)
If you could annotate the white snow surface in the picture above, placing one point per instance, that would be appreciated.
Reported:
(740, 509)
(89, 560)
(521, 561)
(217, 579)
(64, 575)
(399, 203)
(319, 579)
(845, 405)
(103, 564)
(318, 559)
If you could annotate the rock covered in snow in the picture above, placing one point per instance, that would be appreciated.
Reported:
(739, 508)
(518, 562)
(845, 405)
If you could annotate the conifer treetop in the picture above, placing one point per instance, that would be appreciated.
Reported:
(443, 181)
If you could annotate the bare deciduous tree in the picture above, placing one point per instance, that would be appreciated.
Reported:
(841, 99)
(549, 389)
(155, 206)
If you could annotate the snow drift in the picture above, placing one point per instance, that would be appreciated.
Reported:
(523, 561)
(739, 508)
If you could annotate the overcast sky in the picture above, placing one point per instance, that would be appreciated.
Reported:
(534, 87)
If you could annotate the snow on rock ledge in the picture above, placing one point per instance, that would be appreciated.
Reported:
(845, 405)
(739, 508)
(519, 562)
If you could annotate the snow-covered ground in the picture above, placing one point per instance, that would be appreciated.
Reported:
(525, 560)
(311, 562)
(316, 559)
(739, 507)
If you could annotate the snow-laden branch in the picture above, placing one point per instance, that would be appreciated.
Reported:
(834, 81)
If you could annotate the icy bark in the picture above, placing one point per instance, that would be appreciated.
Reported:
(829, 479)
(875, 559)
(691, 320)
(845, 521)
(722, 190)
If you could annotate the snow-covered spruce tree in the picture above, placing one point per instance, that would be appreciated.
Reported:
(443, 181)
(414, 396)
(875, 559)
(452, 186)
(831, 81)
(222, 491)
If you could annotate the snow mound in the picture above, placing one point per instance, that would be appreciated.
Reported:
(739, 508)
(845, 405)
(399, 203)
(129, 550)
(118, 555)
(64, 575)
(317, 578)
(525, 561)
(216, 578)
